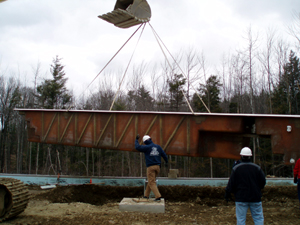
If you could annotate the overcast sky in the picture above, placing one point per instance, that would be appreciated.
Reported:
(35, 31)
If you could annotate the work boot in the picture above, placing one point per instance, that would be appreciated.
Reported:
(157, 199)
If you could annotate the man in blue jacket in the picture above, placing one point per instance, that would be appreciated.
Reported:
(153, 154)
(245, 182)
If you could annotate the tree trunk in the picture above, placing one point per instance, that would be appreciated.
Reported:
(66, 161)
(141, 163)
(18, 153)
(45, 158)
(58, 162)
(21, 154)
(2, 143)
(93, 161)
(254, 150)
(37, 159)
(87, 160)
(122, 172)
(50, 161)
(211, 167)
(129, 164)
(99, 162)
(10, 148)
(5, 157)
(29, 166)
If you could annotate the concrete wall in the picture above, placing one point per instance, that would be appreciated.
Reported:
(130, 181)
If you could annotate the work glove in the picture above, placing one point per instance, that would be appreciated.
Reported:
(137, 137)
(228, 196)
(295, 179)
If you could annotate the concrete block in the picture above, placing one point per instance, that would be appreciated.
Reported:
(127, 204)
(173, 173)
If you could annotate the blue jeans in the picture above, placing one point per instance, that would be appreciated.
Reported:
(256, 212)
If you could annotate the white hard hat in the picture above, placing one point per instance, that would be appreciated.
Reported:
(246, 152)
(146, 137)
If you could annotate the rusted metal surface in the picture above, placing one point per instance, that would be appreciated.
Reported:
(184, 134)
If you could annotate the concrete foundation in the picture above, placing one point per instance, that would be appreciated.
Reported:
(133, 181)
(128, 205)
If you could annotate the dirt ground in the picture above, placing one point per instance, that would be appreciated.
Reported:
(92, 204)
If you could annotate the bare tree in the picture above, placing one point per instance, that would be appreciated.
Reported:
(226, 72)
(239, 67)
(249, 57)
(204, 68)
(265, 59)
(167, 73)
(137, 76)
(192, 69)
(154, 81)
(281, 55)
(10, 98)
(36, 72)
(294, 28)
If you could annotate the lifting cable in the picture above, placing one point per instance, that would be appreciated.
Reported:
(171, 69)
(115, 55)
(157, 37)
(109, 62)
(127, 68)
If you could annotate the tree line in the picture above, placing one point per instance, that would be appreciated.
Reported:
(254, 79)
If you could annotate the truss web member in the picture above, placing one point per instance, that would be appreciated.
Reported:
(153, 154)
(245, 182)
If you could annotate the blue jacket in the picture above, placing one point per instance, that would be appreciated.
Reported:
(153, 152)
(246, 181)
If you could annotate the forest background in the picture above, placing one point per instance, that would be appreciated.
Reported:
(263, 77)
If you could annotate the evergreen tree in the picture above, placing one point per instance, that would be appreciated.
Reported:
(52, 93)
(286, 97)
(120, 104)
(209, 94)
(144, 99)
(233, 107)
(176, 92)
(140, 100)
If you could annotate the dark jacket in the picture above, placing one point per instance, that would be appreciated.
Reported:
(297, 169)
(236, 162)
(153, 153)
(246, 181)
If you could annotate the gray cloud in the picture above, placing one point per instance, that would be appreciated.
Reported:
(38, 30)
(259, 9)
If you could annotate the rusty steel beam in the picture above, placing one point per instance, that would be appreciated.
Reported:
(184, 134)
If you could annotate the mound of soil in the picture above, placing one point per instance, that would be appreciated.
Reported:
(92, 194)
(99, 195)
(92, 204)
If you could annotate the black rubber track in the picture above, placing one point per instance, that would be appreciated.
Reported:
(14, 198)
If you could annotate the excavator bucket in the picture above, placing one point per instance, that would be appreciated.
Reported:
(128, 13)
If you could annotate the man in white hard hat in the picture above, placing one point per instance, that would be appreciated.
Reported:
(246, 182)
(153, 154)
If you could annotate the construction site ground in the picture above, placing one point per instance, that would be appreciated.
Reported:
(94, 204)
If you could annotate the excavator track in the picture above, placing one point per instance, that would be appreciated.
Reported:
(14, 197)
